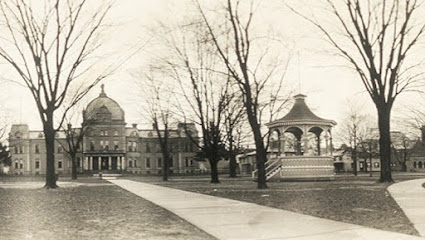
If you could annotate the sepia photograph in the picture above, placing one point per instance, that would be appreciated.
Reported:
(212, 119)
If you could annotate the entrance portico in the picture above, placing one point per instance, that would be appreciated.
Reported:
(100, 162)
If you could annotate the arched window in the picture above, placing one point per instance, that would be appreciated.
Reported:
(420, 165)
(414, 165)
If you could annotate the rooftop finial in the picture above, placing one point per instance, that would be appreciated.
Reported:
(102, 93)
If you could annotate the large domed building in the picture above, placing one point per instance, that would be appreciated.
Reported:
(108, 145)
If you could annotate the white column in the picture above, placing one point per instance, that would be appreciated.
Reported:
(119, 163)
(327, 143)
(109, 163)
(123, 163)
(305, 140)
(99, 162)
(90, 163)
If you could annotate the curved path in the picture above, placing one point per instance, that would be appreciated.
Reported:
(230, 219)
(410, 196)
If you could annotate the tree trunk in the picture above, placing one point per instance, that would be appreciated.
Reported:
(260, 157)
(403, 167)
(232, 166)
(214, 171)
(166, 167)
(49, 133)
(384, 142)
(74, 168)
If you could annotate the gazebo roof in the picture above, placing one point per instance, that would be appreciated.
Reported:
(301, 114)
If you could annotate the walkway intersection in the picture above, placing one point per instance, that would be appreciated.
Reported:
(231, 219)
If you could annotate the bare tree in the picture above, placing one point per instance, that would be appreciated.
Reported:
(356, 132)
(245, 62)
(158, 106)
(403, 151)
(377, 38)
(234, 122)
(51, 47)
(202, 94)
(74, 138)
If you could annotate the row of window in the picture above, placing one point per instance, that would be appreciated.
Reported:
(418, 165)
(188, 163)
(20, 165)
(104, 145)
(20, 149)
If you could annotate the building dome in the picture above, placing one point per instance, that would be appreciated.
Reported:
(103, 108)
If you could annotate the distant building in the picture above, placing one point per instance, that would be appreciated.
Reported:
(416, 162)
(108, 145)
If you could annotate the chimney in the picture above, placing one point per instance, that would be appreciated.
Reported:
(134, 125)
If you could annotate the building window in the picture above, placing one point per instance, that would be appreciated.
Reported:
(78, 162)
(414, 165)
(135, 163)
(420, 165)
(171, 162)
(37, 148)
(116, 133)
(106, 133)
(159, 163)
(19, 149)
(134, 146)
(130, 163)
(92, 145)
(104, 145)
(186, 162)
(376, 165)
(16, 165)
(21, 165)
(60, 164)
(116, 145)
(191, 162)
(148, 148)
(37, 164)
(148, 163)
(60, 149)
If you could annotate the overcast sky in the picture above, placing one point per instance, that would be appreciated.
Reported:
(321, 76)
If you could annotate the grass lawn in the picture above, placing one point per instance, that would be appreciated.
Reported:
(358, 200)
(92, 210)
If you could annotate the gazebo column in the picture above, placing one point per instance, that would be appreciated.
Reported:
(305, 140)
(282, 146)
(318, 145)
(327, 143)
(331, 144)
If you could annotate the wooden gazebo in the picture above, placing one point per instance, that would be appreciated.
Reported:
(306, 158)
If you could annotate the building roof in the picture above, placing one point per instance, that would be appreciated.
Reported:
(104, 104)
(300, 113)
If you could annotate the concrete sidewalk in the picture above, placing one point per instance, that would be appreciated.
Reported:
(410, 196)
(231, 219)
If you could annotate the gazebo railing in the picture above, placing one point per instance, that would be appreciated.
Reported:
(272, 167)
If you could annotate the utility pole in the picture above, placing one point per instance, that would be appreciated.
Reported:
(355, 148)
(370, 158)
